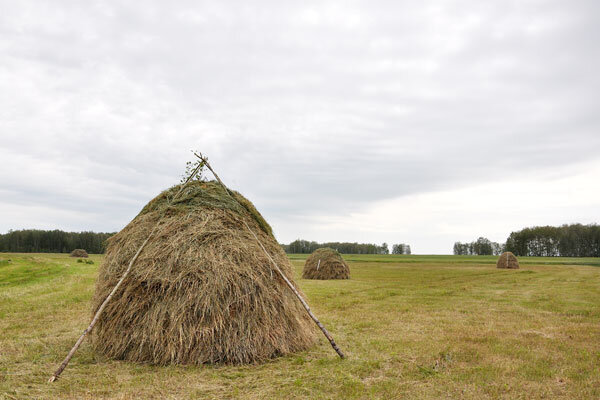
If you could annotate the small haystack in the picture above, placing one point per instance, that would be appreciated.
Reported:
(202, 290)
(508, 260)
(79, 253)
(325, 263)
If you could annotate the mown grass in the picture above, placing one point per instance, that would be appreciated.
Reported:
(413, 327)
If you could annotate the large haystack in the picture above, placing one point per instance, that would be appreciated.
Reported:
(508, 260)
(325, 263)
(79, 253)
(202, 290)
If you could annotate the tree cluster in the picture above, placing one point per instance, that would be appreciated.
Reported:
(575, 240)
(401, 248)
(56, 241)
(480, 247)
(300, 246)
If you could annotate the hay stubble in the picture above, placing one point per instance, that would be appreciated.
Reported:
(414, 327)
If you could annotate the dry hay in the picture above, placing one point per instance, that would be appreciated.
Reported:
(325, 263)
(202, 290)
(79, 253)
(508, 260)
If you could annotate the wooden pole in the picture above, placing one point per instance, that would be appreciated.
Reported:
(65, 362)
(279, 271)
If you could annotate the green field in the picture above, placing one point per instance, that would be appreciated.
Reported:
(413, 327)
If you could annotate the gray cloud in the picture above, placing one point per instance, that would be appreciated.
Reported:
(315, 108)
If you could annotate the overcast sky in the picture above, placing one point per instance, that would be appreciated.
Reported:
(424, 122)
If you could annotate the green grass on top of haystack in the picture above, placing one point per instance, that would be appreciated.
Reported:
(205, 194)
(412, 330)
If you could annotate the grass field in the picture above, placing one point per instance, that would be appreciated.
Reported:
(414, 327)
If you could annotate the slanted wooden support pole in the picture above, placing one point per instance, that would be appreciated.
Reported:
(279, 271)
(99, 312)
(65, 362)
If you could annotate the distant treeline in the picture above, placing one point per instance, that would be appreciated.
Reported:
(401, 248)
(56, 241)
(480, 247)
(306, 247)
(575, 240)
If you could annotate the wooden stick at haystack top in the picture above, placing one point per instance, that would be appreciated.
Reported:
(204, 161)
(65, 362)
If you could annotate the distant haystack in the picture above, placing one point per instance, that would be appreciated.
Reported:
(508, 260)
(203, 290)
(326, 263)
(79, 253)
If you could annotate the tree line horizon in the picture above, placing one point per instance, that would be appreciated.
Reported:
(301, 246)
(58, 241)
(52, 241)
(569, 240)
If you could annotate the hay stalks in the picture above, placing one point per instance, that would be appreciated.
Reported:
(325, 263)
(79, 253)
(65, 362)
(507, 261)
(286, 280)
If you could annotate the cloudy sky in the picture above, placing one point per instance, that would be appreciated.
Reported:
(422, 122)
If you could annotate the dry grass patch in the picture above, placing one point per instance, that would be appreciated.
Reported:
(416, 330)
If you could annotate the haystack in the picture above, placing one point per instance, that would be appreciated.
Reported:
(79, 253)
(508, 260)
(325, 263)
(202, 290)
